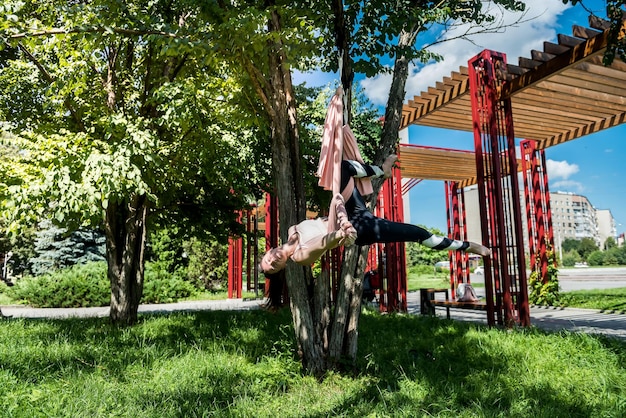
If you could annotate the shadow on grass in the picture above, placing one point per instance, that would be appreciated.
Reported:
(36, 350)
(409, 363)
(465, 367)
(611, 300)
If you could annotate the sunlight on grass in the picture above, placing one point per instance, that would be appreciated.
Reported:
(610, 300)
(435, 280)
(441, 280)
(245, 364)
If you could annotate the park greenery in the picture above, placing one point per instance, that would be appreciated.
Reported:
(139, 120)
(241, 364)
(86, 285)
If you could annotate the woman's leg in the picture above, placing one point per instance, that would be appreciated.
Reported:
(371, 229)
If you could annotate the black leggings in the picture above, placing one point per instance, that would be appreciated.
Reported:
(371, 229)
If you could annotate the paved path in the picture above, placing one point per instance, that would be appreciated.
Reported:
(581, 320)
(204, 305)
(552, 319)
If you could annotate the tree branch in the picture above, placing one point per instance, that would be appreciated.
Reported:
(256, 77)
(48, 77)
(61, 31)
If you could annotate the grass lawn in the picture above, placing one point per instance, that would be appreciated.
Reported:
(437, 280)
(243, 364)
(608, 300)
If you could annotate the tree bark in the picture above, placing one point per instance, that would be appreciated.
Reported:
(125, 230)
(344, 343)
(291, 197)
(343, 307)
(393, 111)
(344, 59)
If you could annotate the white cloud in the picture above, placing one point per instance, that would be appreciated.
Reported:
(561, 169)
(540, 22)
(377, 88)
(568, 186)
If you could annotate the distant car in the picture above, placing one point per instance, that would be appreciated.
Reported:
(442, 265)
(479, 270)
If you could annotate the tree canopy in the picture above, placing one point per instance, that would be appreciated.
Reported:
(110, 99)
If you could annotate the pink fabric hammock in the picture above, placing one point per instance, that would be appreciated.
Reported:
(338, 143)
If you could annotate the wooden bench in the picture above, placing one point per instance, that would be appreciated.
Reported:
(428, 302)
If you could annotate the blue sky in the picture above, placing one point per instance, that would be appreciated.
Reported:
(593, 166)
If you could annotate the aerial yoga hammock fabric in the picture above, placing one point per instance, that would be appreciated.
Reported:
(307, 242)
(338, 143)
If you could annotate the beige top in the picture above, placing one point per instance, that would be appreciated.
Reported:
(311, 229)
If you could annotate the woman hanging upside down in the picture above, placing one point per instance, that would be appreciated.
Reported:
(354, 224)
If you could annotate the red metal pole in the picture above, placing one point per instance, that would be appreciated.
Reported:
(235, 260)
(546, 192)
(527, 154)
(450, 225)
(496, 165)
(271, 229)
(390, 251)
(400, 246)
(248, 250)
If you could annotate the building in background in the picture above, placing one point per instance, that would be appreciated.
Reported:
(606, 226)
(573, 216)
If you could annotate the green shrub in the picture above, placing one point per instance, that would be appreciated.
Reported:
(81, 285)
(208, 263)
(544, 290)
(595, 258)
(87, 285)
(422, 269)
(161, 286)
(570, 258)
(618, 254)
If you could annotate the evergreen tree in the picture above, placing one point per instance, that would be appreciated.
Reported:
(55, 248)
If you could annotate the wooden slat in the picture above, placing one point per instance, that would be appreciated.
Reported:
(558, 64)
(603, 72)
(541, 56)
(555, 49)
(569, 40)
(557, 95)
(583, 90)
(584, 33)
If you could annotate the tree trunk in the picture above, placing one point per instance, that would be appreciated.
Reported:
(344, 339)
(343, 305)
(393, 111)
(342, 36)
(125, 229)
(291, 198)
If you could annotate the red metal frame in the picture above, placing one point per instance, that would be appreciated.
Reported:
(235, 263)
(457, 229)
(496, 163)
(394, 281)
(538, 211)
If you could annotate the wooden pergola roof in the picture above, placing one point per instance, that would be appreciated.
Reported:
(557, 95)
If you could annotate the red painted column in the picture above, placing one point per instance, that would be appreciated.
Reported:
(457, 229)
(390, 206)
(271, 229)
(249, 260)
(539, 214)
(548, 212)
(499, 198)
(400, 246)
(235, 263)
